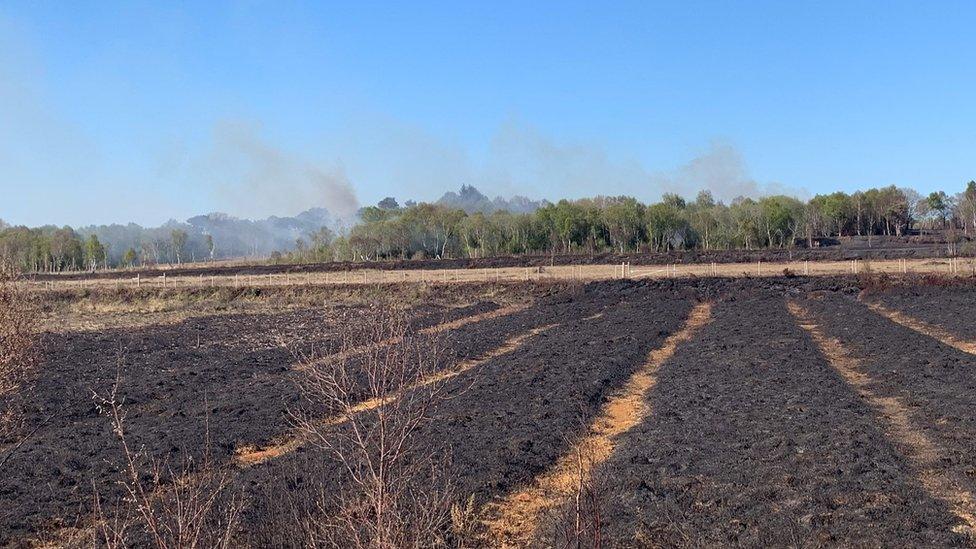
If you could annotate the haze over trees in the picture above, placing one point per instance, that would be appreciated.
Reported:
(624, 224)
(203, 237)
(469, 224)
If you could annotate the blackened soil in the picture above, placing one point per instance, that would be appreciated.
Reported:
(950, 308)
(753, 440)
(228, 374)
(515, 414)
(935, 381)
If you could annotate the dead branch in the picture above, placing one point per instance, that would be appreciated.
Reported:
(364, 410)
(187, 506)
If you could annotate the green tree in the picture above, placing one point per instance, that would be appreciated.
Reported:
(939, 204)
(94, 253)
(129, 257)
(211, 247)
(666, 227)
(177, 238)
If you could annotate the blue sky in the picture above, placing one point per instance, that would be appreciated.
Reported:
(111, 112)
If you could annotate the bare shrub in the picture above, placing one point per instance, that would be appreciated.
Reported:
(365, 409)
(874, 282)
(18, 358)
(187, 505)
(579, 523)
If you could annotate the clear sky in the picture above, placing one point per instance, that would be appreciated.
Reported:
(145, 111)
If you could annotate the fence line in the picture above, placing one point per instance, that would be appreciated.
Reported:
(582, 273)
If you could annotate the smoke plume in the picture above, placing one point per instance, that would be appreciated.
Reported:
(255, 178)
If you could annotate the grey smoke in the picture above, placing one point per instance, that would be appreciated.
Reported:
(721, 170)
(254, 178)
(524, 161)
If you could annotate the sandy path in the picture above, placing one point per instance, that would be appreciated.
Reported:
(514, 520)
(894, 412)
(921, 327)
(249, 456)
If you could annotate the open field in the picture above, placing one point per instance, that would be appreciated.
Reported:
(876, 248)
(480, 275)
(650, 411)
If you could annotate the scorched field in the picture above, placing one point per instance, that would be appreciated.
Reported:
(667, 413)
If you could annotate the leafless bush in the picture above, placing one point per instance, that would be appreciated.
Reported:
(18, 357)
(187, 506)
(579, 523)
(365, 410)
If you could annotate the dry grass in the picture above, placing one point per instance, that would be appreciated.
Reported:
(577, 273)
(18, 360)
(516, 520)
(925, 454)
(101, 308)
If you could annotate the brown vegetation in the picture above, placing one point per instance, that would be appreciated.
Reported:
(18, 358)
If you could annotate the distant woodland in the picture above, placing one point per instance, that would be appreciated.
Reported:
(468, 224)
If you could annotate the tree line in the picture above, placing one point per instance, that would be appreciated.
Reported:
(624, 224)
(57, 249)
(428, 231)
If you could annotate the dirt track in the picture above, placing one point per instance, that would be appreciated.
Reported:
(754, 432)
(854, 248)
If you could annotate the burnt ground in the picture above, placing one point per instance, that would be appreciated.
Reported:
(848, 248)
(950, 307)
(937, 382)
(229, 373)
(516, 413)
(753, 439)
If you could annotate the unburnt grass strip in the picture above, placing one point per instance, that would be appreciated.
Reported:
(428, 330)
(925, 454)
(937, 381)
(922, 327)
(250, 456)
(755, 441)
(947, 304)
(515, 519)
